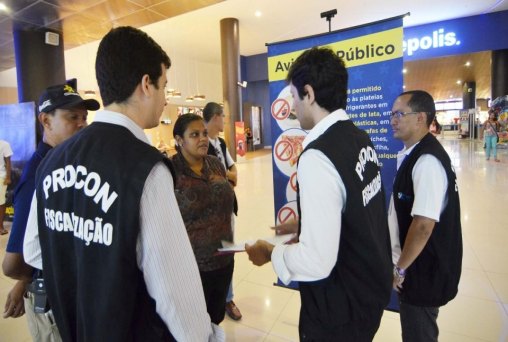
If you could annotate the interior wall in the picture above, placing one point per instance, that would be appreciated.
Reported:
(8, 95)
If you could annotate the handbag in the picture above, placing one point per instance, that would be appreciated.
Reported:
(495, 131)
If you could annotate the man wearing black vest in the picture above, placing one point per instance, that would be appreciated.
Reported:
(342, 260)
(424, 219)
(214, 120)
(117, 261)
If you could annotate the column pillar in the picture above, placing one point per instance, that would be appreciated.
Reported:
(468, 95)
(38, 64)
(499, 73)
(230, 55)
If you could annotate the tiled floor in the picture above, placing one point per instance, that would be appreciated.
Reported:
(270, 313)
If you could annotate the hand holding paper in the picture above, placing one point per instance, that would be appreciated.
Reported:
(260, 253)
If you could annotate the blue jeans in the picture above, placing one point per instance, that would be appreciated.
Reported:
(419, 324)
(491, 144)
(229, 297)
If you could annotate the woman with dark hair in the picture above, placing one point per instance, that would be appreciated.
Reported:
(490, 129)
(205, 198)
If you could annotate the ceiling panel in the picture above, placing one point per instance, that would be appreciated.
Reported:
(439, 76)
(84, 21)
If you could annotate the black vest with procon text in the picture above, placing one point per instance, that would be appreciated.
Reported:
(89, 191)
(359, 285)
(432, 279)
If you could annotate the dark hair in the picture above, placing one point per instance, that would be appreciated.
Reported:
(124, 56)
(210, 110)
(325, 72)
(183, 122)
(421, 101)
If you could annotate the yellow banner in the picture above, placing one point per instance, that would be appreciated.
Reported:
(372, 48)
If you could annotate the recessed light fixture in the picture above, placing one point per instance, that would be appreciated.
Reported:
(451, 96)
(404, 70)
(468, 63)
(3, 7)
(258, 14)
(459, 82)
(403, 87)
(189, 99)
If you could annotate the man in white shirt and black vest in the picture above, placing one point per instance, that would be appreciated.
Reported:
(342, 259)
(424, 220)
(213, 114)
(116, 257)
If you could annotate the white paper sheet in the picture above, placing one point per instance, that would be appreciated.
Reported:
(229, 247)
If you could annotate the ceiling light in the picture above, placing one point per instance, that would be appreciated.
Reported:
(199, 97)
(404, 70)
(403, 87)
(459, 82)
(189, 99)
(89, 93)
(3, 7)
(468, 63)
(451, 96)
(174, 93)
(258, 14)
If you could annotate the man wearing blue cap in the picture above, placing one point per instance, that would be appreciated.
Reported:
(62, 112)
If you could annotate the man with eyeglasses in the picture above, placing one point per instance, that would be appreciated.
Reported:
(424, 219)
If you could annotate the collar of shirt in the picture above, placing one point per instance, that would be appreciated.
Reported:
(323, 125)
(402, 154)
(215, 142)
(119, 119)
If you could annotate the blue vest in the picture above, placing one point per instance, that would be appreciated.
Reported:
(89, 191)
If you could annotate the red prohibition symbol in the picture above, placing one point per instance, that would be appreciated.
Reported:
(292, 181)
(286, 214)
(280, 109)
(283, 150)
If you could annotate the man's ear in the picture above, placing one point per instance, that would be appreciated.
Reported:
(145, 85)
(309, 93)
(44, 119)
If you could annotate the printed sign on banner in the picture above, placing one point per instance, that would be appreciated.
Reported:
(373, 56)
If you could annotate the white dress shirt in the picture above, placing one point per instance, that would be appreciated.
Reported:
(227, 160)
(429, 186)
(164, 252)
(322, 201)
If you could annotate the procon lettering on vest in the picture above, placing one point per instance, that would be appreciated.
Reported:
(367, 154)
(80, 179)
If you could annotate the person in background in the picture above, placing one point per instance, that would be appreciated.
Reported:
(435, 127)
(205, 197)
(103, 226)
(214, 121)
(5, 179)
(424, 220)
(490, 129)
(342, 259)
(62, 113)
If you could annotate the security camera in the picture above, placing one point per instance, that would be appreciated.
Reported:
(329, 14)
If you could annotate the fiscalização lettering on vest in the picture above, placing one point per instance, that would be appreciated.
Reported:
(86, 229)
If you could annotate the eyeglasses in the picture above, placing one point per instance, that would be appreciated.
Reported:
(398, 114)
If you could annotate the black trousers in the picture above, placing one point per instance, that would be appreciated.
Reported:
(215, 286)
(354, 331)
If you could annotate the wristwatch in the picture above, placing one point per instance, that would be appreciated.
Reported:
(399, 272)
